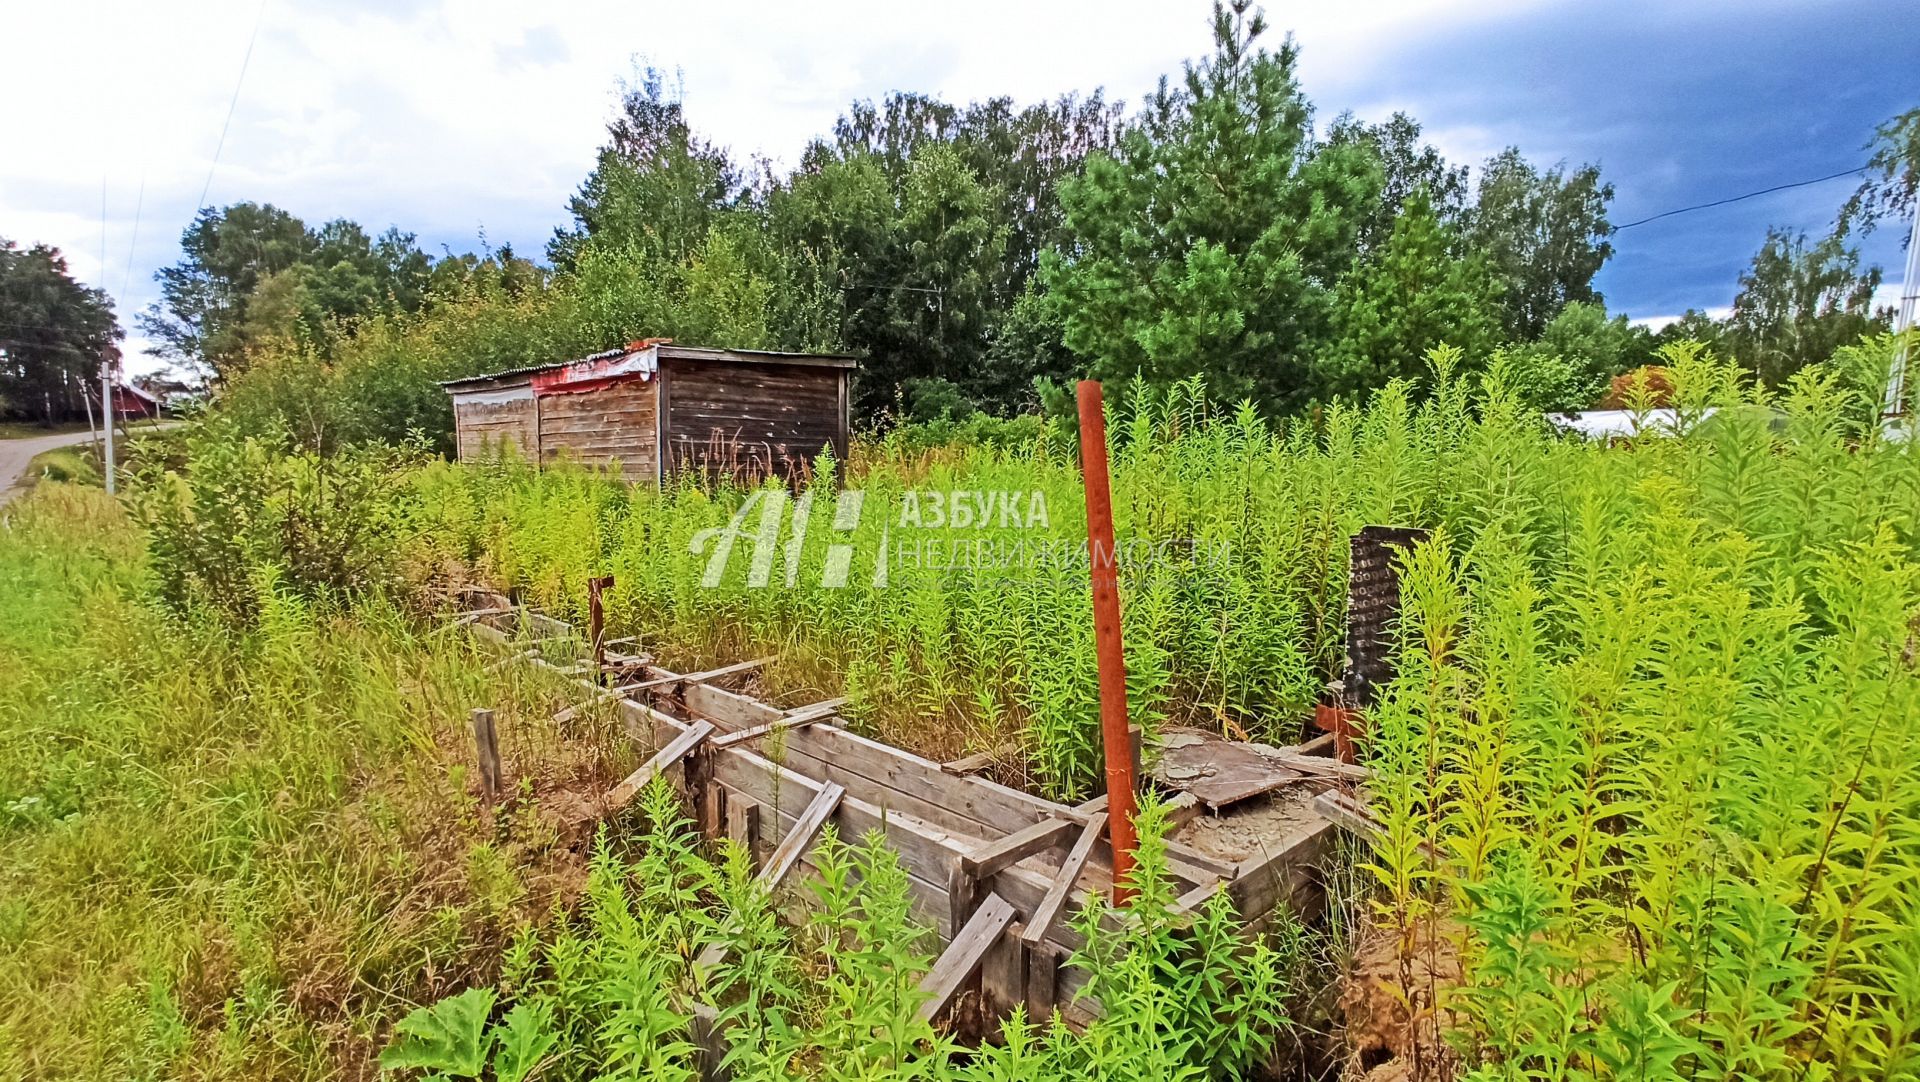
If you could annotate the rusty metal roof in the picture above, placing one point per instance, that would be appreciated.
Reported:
(670, 352)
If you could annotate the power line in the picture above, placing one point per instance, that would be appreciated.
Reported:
(231, 105)
(1749, 195)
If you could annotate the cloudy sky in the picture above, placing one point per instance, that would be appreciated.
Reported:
(464, 119)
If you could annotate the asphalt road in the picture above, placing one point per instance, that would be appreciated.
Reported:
(15, 454)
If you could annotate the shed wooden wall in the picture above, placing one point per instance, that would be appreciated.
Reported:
(752, 420)
(597, 427)
(487, 421)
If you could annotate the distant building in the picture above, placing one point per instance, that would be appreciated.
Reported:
(660, 409)
(132, 403)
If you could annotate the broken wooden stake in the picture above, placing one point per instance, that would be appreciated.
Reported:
(962, 956)
(486, 745)
(980, 760)
(622, 794)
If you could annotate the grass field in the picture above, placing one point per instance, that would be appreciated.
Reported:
(1645, 775)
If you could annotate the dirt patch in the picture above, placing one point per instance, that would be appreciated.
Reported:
(1387, 1005)
(1251, 827)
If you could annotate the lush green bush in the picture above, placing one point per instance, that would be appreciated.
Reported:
(248, 517)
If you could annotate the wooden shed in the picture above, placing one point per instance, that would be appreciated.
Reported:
(659, 409)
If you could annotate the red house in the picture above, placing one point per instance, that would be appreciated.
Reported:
(130, 403)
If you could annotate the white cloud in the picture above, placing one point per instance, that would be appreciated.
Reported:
(449, 116)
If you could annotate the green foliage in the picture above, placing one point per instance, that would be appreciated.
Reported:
(1412, 296)
(448, 1038)
(1544, 233)
(1798, 303)
(1643, 749)
(55, 333)
(1207, 241)
(252, 274)
(246, 520)
(1570, 365)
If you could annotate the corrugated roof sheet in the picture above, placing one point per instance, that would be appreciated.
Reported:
(672, 352)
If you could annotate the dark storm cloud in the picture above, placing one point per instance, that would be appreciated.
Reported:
(1678, 105)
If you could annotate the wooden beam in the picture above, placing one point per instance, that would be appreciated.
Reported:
(622, 794)
(1316, 764)
(962, 956)
(1056, 898)
(800, 838)
(989, 859)
(806, 715)
(792, 847)
(703, 677)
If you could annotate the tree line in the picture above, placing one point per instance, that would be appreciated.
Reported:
(977, 257)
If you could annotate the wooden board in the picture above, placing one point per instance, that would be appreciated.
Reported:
(594, 428)
(673, 752)
(751, 421)
(1048, 911)
(963, 955)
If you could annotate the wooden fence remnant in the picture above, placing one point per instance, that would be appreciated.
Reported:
(486, 746)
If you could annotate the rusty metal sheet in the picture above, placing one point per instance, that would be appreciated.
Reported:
(1217, 772)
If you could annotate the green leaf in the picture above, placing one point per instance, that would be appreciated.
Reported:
(525, 1036)
(449, 1037)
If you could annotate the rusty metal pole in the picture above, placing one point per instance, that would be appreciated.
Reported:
(1106, 636)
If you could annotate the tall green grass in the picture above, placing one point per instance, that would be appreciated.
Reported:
(239, 854)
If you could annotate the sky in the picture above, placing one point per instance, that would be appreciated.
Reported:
(470, 122)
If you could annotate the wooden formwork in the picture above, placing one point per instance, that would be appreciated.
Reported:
(996, 872)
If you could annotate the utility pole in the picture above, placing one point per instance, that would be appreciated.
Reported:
(106, 414)
(1903, 319)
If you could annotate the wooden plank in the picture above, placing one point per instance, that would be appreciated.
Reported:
(980, 760)
(804, 716)
(1003, 975)
(991, 858)
(1316, 764)
(962, 956)
(800, 838)
(1043, 971)
(1057, 895)
(623, 793)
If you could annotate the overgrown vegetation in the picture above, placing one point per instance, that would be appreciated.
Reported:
(1642, 775)
(243, 853)
(614, 992)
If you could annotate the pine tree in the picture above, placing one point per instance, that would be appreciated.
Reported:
(1414, 295)
(1209, 240)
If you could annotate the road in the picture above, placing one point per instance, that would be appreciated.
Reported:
(15, 454)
